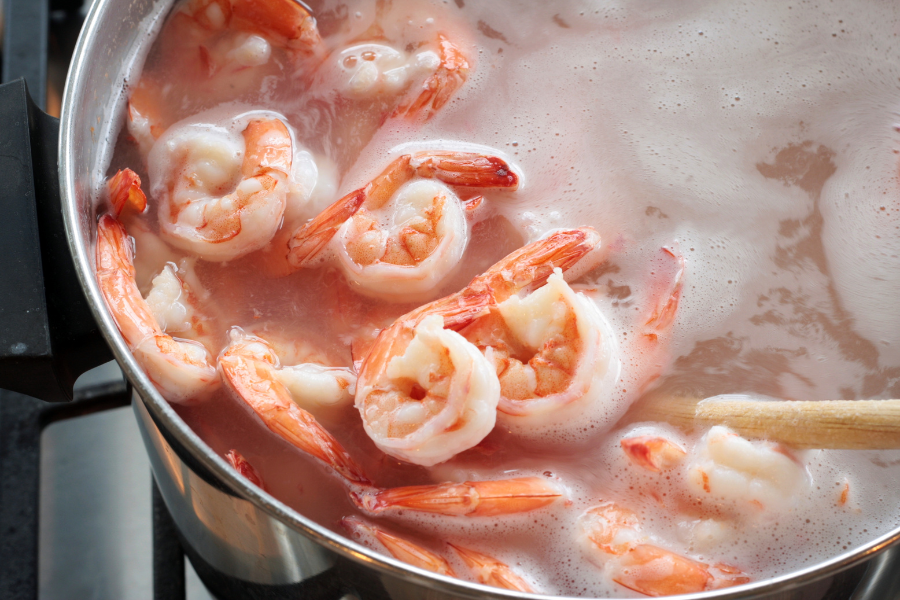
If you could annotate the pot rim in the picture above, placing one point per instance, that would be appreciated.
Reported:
(74, 94)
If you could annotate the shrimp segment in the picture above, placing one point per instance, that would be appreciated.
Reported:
(248, 366)
(611, 536)
(653, 453)
(490, 571)
(400, 548)
(242, 466)
(125, 190)
(468, 499)
(555, 357)
(181, 370)
(439, 88)
(396, 238)
(192, 165)
(425, 393)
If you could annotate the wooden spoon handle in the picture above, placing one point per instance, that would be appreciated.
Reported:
(836, 424)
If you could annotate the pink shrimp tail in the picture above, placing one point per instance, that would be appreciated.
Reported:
(125, 190)
(243, 466)
(440, 87)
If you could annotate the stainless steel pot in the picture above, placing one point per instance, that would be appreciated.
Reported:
(226, 523)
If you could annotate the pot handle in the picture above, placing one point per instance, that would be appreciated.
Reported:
(48, 336)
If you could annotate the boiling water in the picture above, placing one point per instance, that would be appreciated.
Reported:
(758, 140)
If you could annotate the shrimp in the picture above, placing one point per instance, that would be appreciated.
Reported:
(308, 373)
(373, 69)
(555, 356)
(653, 453)
(468, 499)
(125, 191)
(753, 475)
(228, 46)
(490, 571)
(611, 537)
(397, 238)
(248, 366)
(450, 74)
(182, 370)
(400, 548)
(426, 394)
(242, 466)
(193, 165)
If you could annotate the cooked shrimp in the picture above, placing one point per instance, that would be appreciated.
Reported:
(426, 394)
(397, 238)
(242, 466)
(653, 453)
(400, 548)
(182, 370)
(756, 475)
(248, 366)
(450, 74)
(193, 165)
(611, 537)
(555, 356)
(125, 190)
(224, 49)
(468, 499)
(311, 376)
(490, 571)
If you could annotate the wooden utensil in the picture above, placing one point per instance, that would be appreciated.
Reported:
(834, 424)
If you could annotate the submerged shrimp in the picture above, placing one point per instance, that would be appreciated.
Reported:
(249, 367)
(224, 49)
(182, 370)
(396, 238)
(376, 69)
(490, 571)
(400, 548)
(611, 537)
(468, 499)
(243, 466)
(756, 475)
(193, 172)
(555, 356)
(426, 394)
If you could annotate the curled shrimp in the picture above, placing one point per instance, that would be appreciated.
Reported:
(376, 69)
(426, 394)
(468, 499)
(555, 355)
(490, 571)
(396, 237)
(611, 537)
(400, 548)
(192, 166)
(248, 366)
(753, 475)
(182, 370)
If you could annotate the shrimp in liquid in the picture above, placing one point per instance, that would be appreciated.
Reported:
(193, 165)
(248, 367)
(228, 46)
(555, 357)
(400, 548)
(182, 370)
(396, 238)
(611, 537)
(426, 394)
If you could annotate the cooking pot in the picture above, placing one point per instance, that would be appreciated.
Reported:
(255, 545)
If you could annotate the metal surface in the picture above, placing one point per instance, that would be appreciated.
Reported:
(97, 536)
(111, 32)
